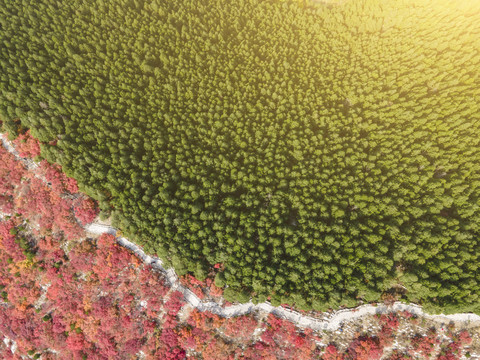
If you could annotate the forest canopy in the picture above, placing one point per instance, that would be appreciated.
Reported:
(323, 154)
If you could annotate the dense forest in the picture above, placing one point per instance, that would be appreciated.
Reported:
(321, 154)
(67, 296)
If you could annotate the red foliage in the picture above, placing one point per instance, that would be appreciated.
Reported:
(194, 285)
(332, 353)
(85, 210)
(365, 348)
(174, 303)
(33, 199)
(110, 260)
(448, 354)
(48, 209)
(132, 346)
(241, 327)
(27, 146)
(398, 355)
(463, 337)
(59, 182)
(215, 291)
(407, 314)
(75, 342)
(218, 349)
(389, 321)
(261, 351)
(11, 173)
(204, 320)
(424, 344)
(453, 350)
(174, 354)
(189, 279)
(81, 315)
(197, 290)
(281, 334)
(8, 242)
(83, 256)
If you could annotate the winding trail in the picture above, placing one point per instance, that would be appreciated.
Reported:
(330, 321)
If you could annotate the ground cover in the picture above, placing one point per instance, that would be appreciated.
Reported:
(323, 155)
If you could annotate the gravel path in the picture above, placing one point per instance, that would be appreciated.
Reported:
(333, 322)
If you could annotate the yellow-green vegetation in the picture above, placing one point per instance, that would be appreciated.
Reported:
(324, 154)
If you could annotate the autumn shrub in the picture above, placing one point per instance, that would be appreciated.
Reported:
(425, 344)
(27, 146)
(85, 210)
(365, 348)
(332, 353)
(277, 139)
